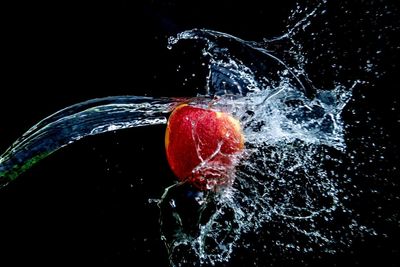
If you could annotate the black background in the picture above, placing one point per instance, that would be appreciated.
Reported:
(88, 202)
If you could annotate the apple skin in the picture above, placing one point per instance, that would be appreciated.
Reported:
(202, 146)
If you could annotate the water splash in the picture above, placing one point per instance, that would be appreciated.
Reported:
(293, 191)
(284, 179)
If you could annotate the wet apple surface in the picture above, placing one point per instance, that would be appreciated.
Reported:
(202, 145)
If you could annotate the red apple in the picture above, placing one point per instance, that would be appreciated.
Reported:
(203, 145)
